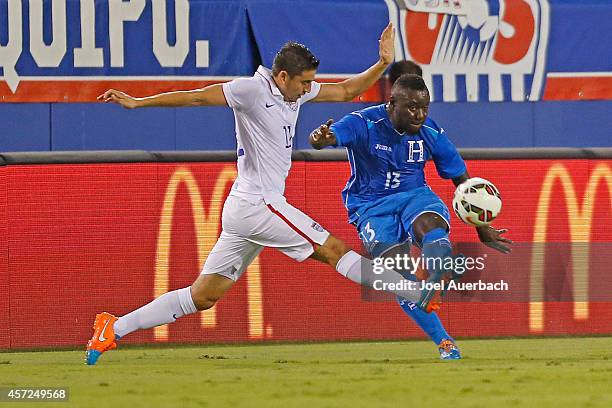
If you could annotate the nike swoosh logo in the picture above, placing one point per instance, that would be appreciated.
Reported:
(101, 336)
(270, 105)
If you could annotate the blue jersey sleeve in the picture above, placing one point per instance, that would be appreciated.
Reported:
(349, 130)
(449, 162)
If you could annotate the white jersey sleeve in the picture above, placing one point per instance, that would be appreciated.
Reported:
(242, 93)
(314, 91)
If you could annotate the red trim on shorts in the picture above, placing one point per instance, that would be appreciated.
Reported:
(293, 227)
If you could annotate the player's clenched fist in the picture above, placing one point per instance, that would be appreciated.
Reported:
(119, 97)
(323, 136)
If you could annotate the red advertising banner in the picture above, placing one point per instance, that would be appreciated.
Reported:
(83, 238)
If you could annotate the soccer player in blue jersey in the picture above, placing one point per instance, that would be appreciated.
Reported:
(430, 323)
(387, 198)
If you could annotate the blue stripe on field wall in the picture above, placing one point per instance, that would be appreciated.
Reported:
(203, 127)
(44, 127)
(578, 124)
(24, 127)
(486, 124)
(110, 127)
(504, 124)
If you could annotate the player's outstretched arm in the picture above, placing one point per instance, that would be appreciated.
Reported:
(488, 235)
(322, 136)
(356, 85)
(211, 95)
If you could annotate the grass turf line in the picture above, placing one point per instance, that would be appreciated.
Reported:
(566, 372)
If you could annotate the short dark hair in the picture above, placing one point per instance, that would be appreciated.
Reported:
(294, 58)
(410, 81)
(399, 68)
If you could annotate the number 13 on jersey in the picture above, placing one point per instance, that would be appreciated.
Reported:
(393, 180)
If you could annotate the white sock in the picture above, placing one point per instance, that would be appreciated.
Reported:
(360, 270)
(163, 310)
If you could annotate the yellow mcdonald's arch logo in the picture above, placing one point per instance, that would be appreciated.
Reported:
(580, 221)
(207, 231)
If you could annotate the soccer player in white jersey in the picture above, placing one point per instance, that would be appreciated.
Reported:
(256, 214)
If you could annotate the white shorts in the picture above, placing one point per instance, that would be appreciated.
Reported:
(248, 228)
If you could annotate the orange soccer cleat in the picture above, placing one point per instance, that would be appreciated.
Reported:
(449, 350)
(103, 338)
(431, 300)
(431, 296)
(436, 302)
(421, 274)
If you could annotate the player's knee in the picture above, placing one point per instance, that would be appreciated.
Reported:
(203, 300)
(427, 222)
(208, 288)
(331, 251)
(202, 295)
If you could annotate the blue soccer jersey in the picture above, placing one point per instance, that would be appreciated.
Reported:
(385, 162)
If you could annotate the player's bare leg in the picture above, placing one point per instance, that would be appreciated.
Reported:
(208, 289)
(201, 295)
(427, 222)
(331, 251)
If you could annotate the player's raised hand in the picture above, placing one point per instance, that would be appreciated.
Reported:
(386, 45)
(323, 136)
(119, 97)
(493, 238)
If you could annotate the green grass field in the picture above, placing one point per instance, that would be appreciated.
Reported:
(566, 372)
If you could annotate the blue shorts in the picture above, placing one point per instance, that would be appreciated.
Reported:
(387, 222)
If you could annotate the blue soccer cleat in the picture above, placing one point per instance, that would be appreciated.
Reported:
(449, 350)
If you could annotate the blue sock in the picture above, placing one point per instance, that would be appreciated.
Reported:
(435, 245)
(428, 322)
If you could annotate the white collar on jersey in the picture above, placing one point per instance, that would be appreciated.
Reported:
(267, 75)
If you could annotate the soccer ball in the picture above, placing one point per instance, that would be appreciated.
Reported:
(477, 202)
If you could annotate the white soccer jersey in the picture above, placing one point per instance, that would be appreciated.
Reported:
(265, 126)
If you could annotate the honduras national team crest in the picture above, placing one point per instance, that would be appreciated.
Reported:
(475, 50)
